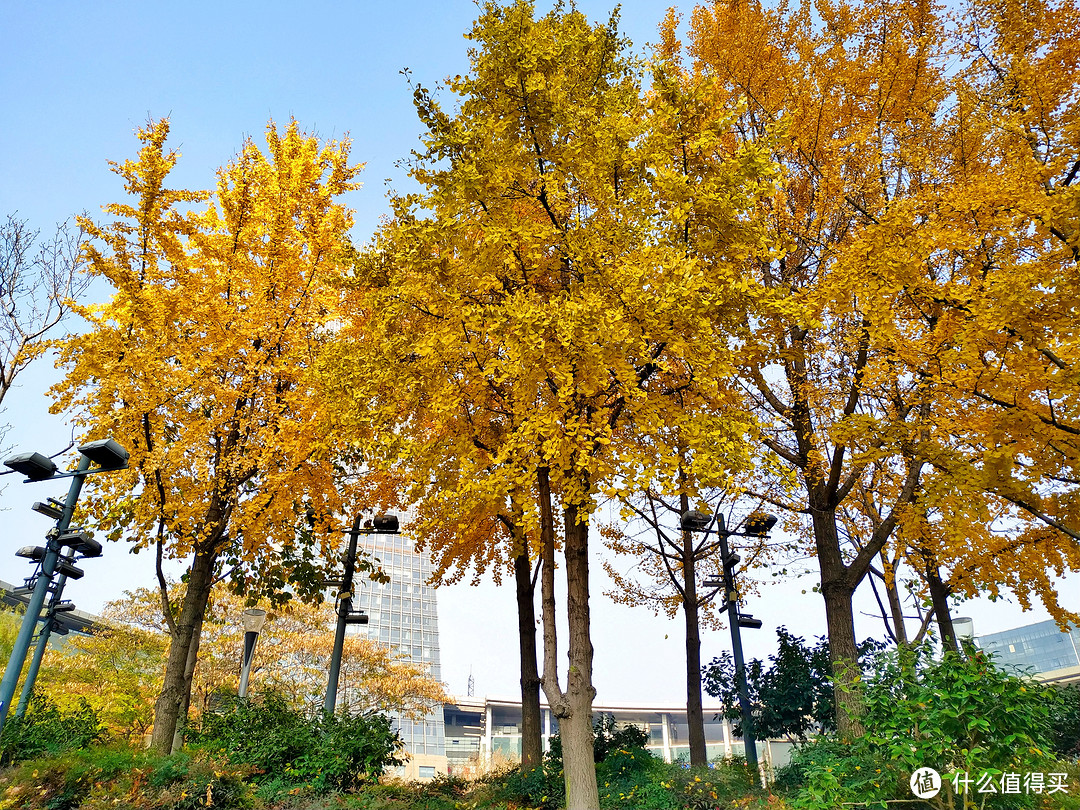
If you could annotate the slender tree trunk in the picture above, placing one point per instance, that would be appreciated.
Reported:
(189, 675)
(531, 743)
(843, 648)
(939, 597)
(176, 688)
(579, 768)
(896, 607)
(695, 719)
(694, 714)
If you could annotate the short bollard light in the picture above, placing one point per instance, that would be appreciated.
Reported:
(253, 619)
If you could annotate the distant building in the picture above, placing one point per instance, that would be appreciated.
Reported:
(79, 621)
(481, 732)
(402, 615)
(1040, 650)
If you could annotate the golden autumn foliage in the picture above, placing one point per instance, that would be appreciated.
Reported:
(830, 248)
(118, 670)
(199, 366)
(532, 306)
(909, 346)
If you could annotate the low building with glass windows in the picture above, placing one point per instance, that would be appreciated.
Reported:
(485, 732)
(1041, 650)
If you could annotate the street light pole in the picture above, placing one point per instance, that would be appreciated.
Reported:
(731, 595)
(382, 524)
(109, 456)
(757, 525)
(37, 598)
(344, 609)
(43, 641)
(254, 619)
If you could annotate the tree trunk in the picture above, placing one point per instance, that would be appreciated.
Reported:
(579, 768)
(694, 715)
(939, 596)
(843, 648)
(176, 689)
(531, 743)
(189, 675)
(896, 607)
(695, 719)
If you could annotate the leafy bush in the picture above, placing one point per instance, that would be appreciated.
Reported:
(324, 753)
(606, 738)
(1065, 720)
(794, 694)
(628, 776)
(100, 778)
(956, 715)
(44, 729)
(542, 787)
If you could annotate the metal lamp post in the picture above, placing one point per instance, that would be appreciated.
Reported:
(49, 625)
(254, 619)
(756, 526)
(108, 456)
(382, 524)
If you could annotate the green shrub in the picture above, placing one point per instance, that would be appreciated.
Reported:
(1065, 720)
(957, 715)
(348, 750)
(628, 777)
(44, 729)
(120, 778)
(542, 787)
(291, 748)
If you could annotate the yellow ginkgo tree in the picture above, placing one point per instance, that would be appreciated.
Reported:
(532, 307)
(918, 317)
(198, 365)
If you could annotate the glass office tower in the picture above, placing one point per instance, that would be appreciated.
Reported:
(402, 616)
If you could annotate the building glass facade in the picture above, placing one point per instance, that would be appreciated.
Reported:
(1035, 648)
(486, 732)
(402, 616)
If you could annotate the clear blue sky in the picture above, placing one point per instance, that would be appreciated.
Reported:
(76, 80)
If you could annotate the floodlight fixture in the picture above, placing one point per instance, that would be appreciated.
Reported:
(35, 553)
(69, 570)
(106, 453)
(81, 542)
(747, 620)
(34, 466)
(88, 548)
(385, 524)
(48, 510)
(695, 520)
(72, 537)
(759, 523)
